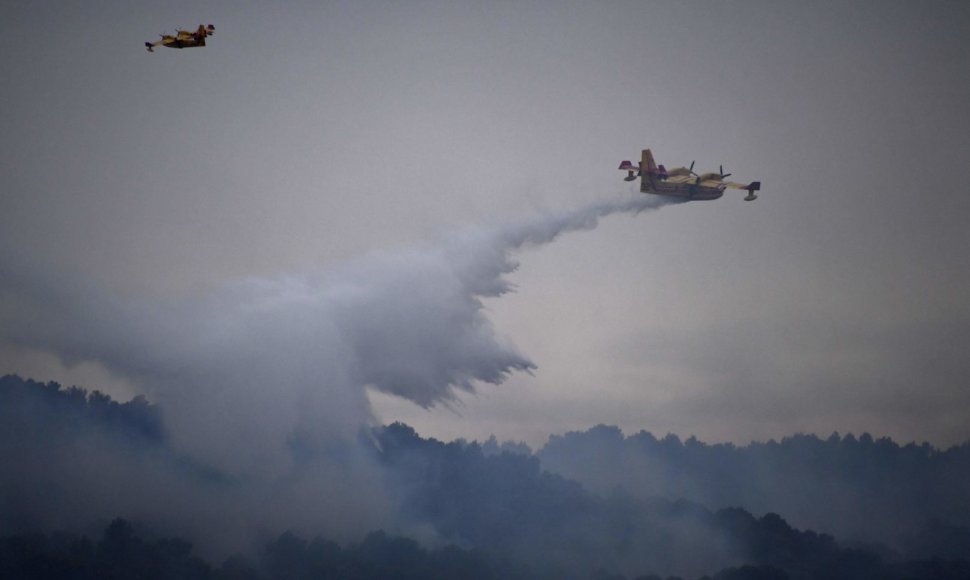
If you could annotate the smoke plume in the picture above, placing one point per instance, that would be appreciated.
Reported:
(265, 380)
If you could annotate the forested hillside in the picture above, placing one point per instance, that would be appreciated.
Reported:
(454, 509)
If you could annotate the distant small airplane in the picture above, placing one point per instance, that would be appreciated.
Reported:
(683, 182)
(183, 38)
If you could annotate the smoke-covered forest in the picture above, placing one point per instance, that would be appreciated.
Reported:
(859, 488)
(91, 489)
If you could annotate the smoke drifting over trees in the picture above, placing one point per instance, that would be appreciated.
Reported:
(872, 490)
(260, 424)
(264, 382)
(452, 508)
(272, 361)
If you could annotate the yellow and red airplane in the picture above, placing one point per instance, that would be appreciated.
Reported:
(682, 181)
(183, 38)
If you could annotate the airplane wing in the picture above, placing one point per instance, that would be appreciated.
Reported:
(680, 178)
(165, 41)
(678, 171)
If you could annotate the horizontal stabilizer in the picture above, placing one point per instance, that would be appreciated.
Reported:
(752, 187)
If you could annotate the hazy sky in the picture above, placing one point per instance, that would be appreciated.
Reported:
(309, 135)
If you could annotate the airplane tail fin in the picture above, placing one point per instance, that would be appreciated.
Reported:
(647, 164)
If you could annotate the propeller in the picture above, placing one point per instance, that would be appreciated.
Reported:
(690, 170)
(697, 178)
(721, 171)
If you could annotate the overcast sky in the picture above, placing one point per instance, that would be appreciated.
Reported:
(310, 134)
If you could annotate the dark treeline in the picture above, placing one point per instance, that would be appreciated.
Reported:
(483, 511)
(863, 488)
(121, 553)
(42, 413)
(51, 439)
(505, 504)
(69, 456)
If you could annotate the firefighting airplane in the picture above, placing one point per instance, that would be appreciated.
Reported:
(683, 182)
(183, 38)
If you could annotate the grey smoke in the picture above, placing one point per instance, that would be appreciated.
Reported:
(246, 374)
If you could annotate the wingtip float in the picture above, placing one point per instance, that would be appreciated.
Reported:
(183, 38)
(682, 181)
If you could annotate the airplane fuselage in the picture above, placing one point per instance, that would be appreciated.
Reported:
(183, 38)
(184, 42)
(688, 189)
